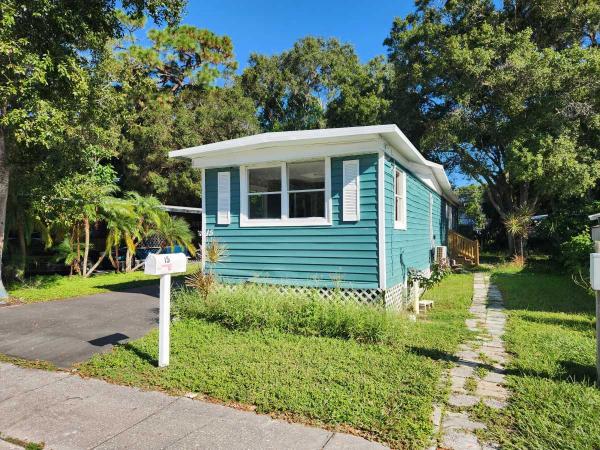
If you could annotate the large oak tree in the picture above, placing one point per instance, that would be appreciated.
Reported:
(511, 96)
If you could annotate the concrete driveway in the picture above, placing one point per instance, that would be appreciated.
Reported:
(65, 332)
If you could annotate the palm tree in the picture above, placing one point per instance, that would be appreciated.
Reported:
(119, 217)
(120, 221)
(518, 225)
(148, 216)
(92, 212)
(176, 231)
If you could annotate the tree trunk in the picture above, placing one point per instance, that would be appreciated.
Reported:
(116, 264)
(95, 266)
(522, 243)
(78, 262)
(22, 248)
(511, 243)
(4, 175)
(86, 246)
(128, 261)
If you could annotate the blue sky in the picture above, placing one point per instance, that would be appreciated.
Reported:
(269, 26)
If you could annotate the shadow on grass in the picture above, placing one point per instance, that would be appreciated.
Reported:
(139, 353)
(570, 371)
(582, 325)
(432, 353)
(37, 282)
(531, 290)
(582, 373)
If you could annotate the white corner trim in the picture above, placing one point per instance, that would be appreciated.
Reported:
(328, 199)
(203, 230)
(381, 219)
(285, 221)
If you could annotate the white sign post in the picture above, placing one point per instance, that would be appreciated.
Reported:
(595, 282)
(164, 265)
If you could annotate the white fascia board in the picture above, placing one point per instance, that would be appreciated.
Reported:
(276, 138)
(289, 152)
(423, 172)
(430, 173)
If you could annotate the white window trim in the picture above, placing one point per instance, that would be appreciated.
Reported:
(285, 220)
(400, 224)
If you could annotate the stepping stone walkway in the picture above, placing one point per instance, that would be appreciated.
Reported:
(478, 375)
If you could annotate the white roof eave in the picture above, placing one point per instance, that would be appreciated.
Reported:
(390, 133)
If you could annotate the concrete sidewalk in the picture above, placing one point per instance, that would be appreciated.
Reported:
(66, 411)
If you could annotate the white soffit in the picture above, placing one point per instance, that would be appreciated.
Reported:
(208, 155)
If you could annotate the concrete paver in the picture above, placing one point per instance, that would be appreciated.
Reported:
(486, 351)
(68, 412)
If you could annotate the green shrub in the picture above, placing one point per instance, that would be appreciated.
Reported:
(438, 273)
(575, 253)
(247, 307)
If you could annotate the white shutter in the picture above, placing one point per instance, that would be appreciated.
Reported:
(223, 201)
(351, 191)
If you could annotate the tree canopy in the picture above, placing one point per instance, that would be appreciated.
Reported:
(45, 48)
(507, 96)
(318, 83)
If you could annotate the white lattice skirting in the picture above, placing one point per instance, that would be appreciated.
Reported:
(396, 297)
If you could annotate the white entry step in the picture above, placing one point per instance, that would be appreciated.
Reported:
(425, 305)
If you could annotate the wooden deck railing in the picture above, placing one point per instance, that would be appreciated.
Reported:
(458, 245)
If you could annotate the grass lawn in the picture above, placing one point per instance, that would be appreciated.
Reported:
(55, 287)
(551, 334)
(384, 391)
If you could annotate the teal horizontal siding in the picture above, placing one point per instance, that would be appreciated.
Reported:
(344, 254)
(312, 282)
(412, 247)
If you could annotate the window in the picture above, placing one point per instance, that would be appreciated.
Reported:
(264, 193)
(449, 216)
(306, 188)
(295, 193)
(399, 199)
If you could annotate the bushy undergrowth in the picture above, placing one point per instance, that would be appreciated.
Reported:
(249, 307)
(575, 253)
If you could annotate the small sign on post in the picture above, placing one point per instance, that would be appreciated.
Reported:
(164, 265)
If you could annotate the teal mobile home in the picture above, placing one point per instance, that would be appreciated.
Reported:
(351, 208)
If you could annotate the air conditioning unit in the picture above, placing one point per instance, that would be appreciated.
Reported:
(441, 253)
